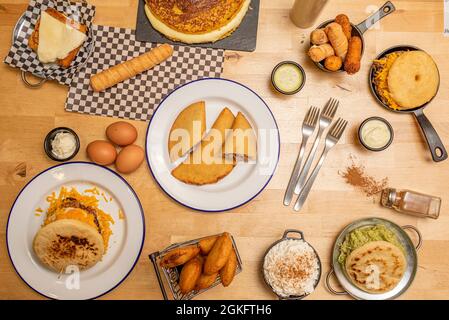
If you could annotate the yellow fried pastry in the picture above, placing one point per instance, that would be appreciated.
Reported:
(190, 273)
(187, 130)
(201, 174)
(242, 143)
(205, 281)
(219, 254)
(207, 244)
(227, 273)
(206, 164)
(179, 256)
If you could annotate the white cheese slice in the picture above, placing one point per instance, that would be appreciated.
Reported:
(56, 39)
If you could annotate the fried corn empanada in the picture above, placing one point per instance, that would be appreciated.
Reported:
(207, 244)
(206, 164)
(205, 281)
(179, 256)
(219, 254)
(227, 273)
(190, 273)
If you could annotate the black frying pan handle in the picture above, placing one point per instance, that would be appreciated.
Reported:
(384, 11)
(436, 147)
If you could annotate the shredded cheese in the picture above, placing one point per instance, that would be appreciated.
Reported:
(93, 190)
(56, 210)
(382, 67)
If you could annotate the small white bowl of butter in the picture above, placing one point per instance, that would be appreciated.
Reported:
(61, 144)
(376, 134)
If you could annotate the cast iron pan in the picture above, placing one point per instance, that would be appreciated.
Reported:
(300, 238)
(360, 29)
(436, 147)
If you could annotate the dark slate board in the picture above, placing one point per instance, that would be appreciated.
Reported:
(244, 38)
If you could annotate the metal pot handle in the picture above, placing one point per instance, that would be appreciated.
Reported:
(418, 233)
(434, 142)
(286, 232)
(328, 284)
(384, 11)
(29, 84)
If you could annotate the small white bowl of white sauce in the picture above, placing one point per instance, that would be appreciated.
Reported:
(376, 134)
(61, 144)
(288, 77)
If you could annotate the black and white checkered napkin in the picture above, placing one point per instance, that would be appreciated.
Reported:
(21, 56)
(136, 98)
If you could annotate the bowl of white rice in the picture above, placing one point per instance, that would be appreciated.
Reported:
(292, 267)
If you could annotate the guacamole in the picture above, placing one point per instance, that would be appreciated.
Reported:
(362, 236)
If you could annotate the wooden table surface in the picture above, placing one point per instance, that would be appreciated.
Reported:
(27, 115)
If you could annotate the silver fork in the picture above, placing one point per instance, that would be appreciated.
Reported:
(326, 118)
(332, 138)
(308, 127)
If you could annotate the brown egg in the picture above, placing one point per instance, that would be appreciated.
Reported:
(101, 152)
(121, 133)
(129, 159)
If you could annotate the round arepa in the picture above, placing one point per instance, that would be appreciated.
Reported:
(376, 267)
(413, 79)
(68, 242)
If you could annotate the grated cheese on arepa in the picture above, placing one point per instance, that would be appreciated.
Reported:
(381, 69)
(88, 203)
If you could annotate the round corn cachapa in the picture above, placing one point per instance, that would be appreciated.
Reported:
(413, 79)
(376, 267)
(68, 242)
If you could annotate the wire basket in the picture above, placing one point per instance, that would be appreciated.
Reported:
(171, 275)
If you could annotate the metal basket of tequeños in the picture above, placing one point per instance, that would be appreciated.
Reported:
(374, 259)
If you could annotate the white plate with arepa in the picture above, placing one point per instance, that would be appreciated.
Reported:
(116, 197)
(247, 179)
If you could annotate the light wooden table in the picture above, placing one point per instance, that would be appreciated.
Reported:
(27, 115)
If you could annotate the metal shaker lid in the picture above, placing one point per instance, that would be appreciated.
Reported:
(388, 197)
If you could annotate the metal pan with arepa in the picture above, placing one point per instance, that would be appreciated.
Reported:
(355, 269)
(405, 79)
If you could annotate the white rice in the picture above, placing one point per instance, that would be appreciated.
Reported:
(291, 268)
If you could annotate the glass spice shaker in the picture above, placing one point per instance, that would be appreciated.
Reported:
(411, 202)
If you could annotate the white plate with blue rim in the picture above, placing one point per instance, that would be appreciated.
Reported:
(116, 197)
(246, 180)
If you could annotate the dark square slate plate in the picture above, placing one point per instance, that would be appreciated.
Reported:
(244, 38)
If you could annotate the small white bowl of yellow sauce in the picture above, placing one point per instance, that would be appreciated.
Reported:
(288, 77)
(376, 134)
